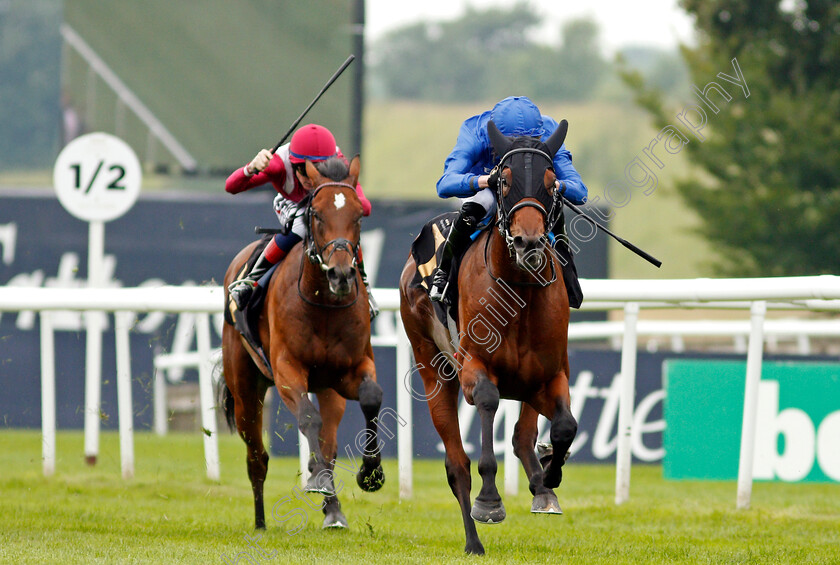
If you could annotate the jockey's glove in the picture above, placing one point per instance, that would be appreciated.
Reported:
(493, 181)
(560, 191)
(259, 162)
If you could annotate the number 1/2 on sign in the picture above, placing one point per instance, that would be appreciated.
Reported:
(97, 177)
(115, 184)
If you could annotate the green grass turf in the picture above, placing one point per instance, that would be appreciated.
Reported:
(170, 513)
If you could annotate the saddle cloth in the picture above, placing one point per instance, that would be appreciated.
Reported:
(427, 250)
(247, 320)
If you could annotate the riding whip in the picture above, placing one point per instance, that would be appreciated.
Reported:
(323, 90)
(646, 256)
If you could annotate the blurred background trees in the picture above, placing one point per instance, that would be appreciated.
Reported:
(767, 178)
(489, 54)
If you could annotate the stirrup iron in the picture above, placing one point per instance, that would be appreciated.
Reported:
(440, 284)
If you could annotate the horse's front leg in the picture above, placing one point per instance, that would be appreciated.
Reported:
(555, 405)
(488, 507)
(441, 393)
(292, 384)
(370, 477)
(332, 407)
(524, 439)
(563, 432)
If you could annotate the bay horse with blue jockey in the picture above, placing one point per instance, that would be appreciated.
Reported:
(512, 316)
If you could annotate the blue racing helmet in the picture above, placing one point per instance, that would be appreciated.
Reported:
(516, 116)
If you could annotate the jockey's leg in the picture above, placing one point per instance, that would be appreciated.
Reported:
(372, 305)
(570, 276)
(459, 239)
(279, 246)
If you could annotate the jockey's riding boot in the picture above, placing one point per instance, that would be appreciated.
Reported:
(372, 305)
(455, 245)
(242, 289)
(570, 276)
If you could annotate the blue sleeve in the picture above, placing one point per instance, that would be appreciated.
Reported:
(576, 191)
(459, 170)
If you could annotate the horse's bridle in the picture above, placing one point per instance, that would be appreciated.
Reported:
(550, 216)
(315, 254)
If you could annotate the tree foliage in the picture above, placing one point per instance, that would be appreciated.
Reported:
(768, 190)
(489, 54)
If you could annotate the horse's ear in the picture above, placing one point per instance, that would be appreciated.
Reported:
(312, 172)
(557, 138)
(501, 144)
(355, 167)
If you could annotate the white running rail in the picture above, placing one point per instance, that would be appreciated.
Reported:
(757, 295)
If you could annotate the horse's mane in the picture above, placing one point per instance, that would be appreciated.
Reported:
(334, 168)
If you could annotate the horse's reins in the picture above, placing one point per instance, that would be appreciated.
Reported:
(316, 255)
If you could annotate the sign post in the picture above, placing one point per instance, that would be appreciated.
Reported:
(97, 179)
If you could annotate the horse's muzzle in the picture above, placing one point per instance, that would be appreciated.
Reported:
(529, 252)
(341, 278)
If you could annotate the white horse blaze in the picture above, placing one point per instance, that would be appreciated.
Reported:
(339, 201)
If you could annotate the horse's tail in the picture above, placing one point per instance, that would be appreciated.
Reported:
(225, 401)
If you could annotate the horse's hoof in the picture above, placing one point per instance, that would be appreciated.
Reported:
(487, 512)
(474, 548)
(545, 503)
(313, 489)
(373, 481)
(335, 521)
(319, 484)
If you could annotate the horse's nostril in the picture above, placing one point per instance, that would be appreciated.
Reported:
(525, 243)
(340, 276)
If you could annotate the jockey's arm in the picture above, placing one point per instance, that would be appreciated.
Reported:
(458, 177)
(262, 169)
(366, 206)
(568, 176)
(240, 181)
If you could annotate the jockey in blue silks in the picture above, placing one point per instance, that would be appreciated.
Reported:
(467, 175)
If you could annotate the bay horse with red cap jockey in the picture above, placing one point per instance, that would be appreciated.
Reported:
(513, 317)
(314, 328)
(285, 169)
